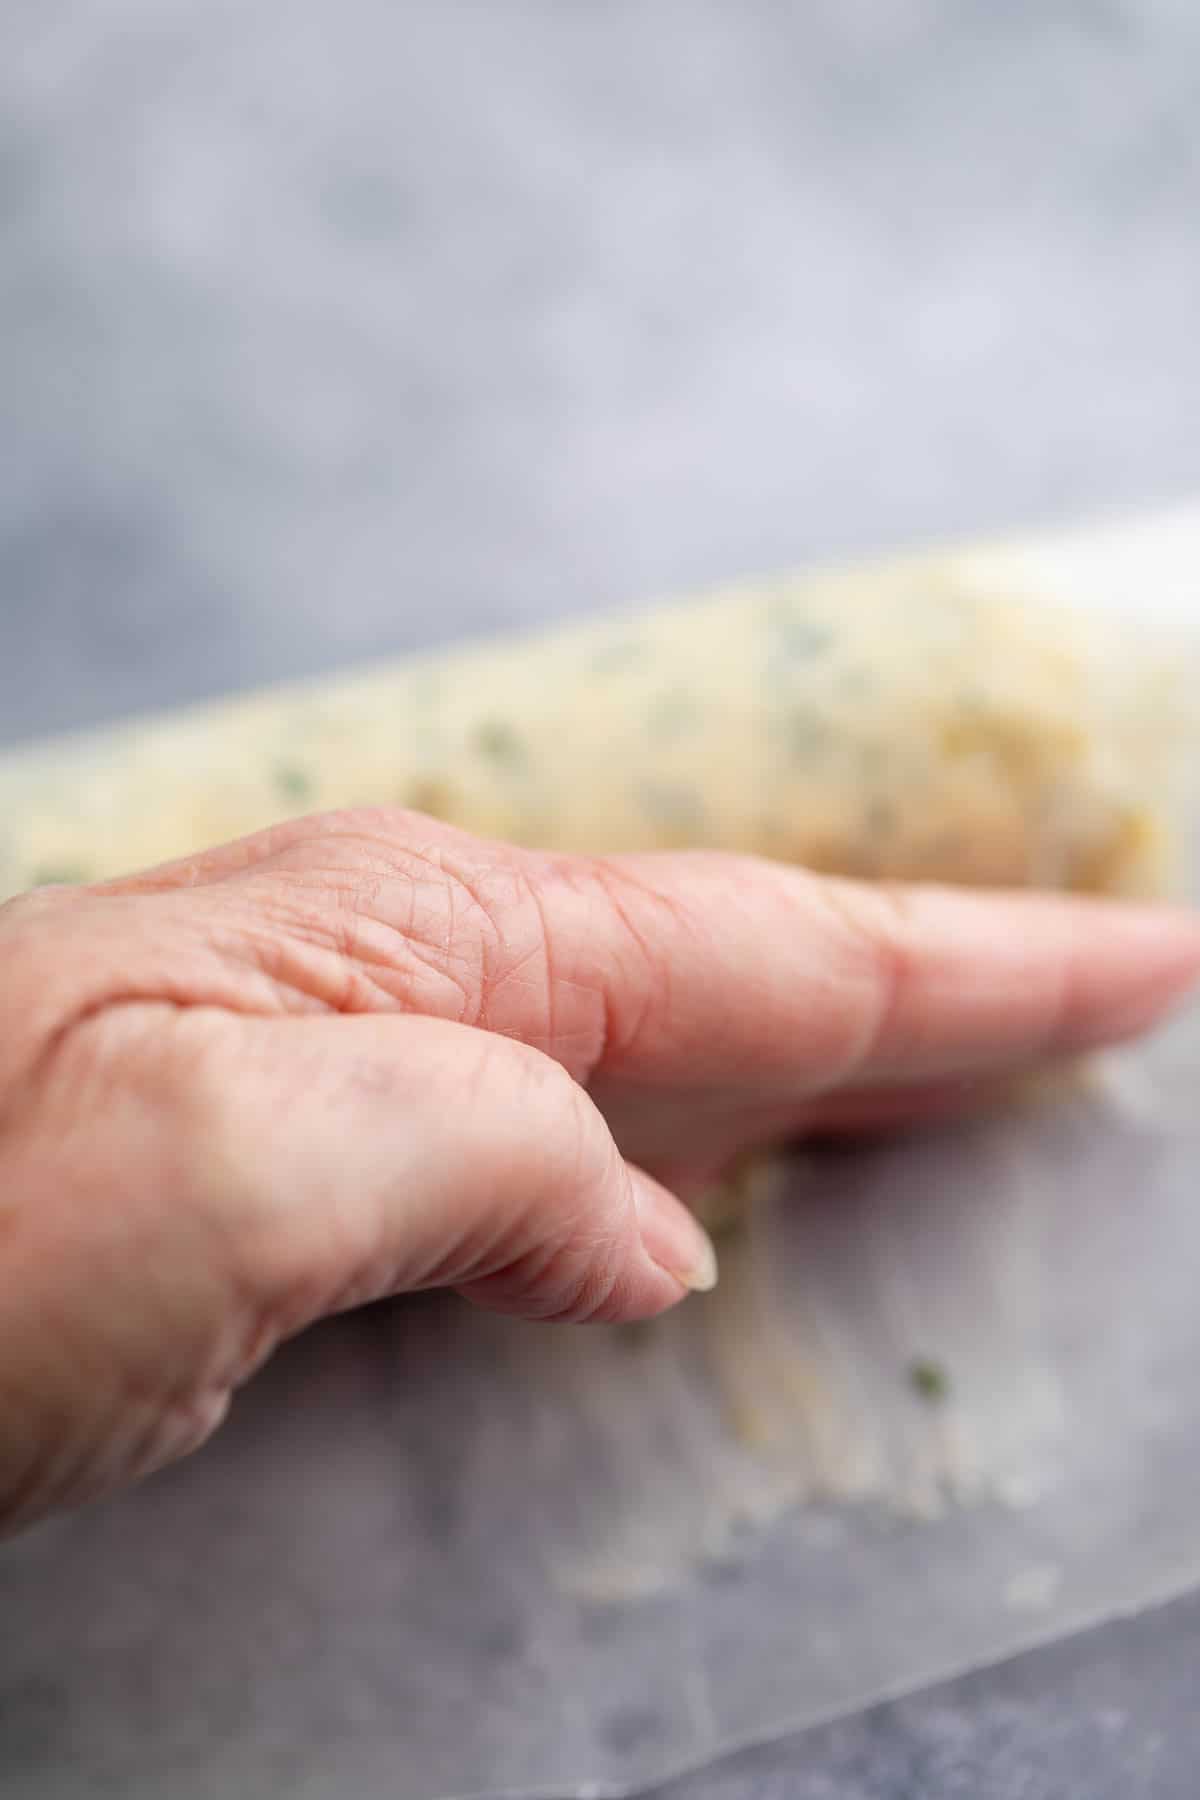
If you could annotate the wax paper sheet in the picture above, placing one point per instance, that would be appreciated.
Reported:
(943, 1405)
(436, 1553)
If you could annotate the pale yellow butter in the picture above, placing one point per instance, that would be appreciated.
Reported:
(904, 720)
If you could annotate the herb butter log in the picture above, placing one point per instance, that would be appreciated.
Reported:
(915, 720)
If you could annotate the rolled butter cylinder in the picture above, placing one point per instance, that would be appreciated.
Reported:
(908, 720)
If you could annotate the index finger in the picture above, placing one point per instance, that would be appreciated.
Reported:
(730, 972)
(698, 972)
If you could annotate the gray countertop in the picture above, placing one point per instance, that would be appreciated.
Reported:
(329, 332)
(1109, 1716)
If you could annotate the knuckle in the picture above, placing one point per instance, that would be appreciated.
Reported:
(557, 1131)
(496, 937)
(581, 1160)
(587, 1294)
(573, 1229)
(111, 1057)
(878, 926)
(645, 926)
(439, 929)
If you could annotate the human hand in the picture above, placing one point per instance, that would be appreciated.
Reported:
(366, 1054)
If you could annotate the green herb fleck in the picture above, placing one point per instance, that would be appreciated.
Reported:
(941, 851)
(425, 688)
(611, 658)
(638, 1335)
(808, 737)
(879, 817)
(499, 741)
(672, 714)
(929, 1380)
(59, 875)
(294, 782)
(857, 682)
(798, 638)
(673, 807)
(428, 796)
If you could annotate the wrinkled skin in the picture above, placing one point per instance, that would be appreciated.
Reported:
(366, 1054)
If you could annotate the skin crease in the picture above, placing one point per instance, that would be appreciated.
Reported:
(366, 1054)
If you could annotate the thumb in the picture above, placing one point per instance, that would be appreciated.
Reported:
(367, 1155)
(186, 1188)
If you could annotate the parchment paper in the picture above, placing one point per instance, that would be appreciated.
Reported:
(944, 1405)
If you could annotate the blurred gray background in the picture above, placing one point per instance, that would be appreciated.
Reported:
(330, 330)
(326, 331)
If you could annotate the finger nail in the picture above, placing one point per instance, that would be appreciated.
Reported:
(672, 1237)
